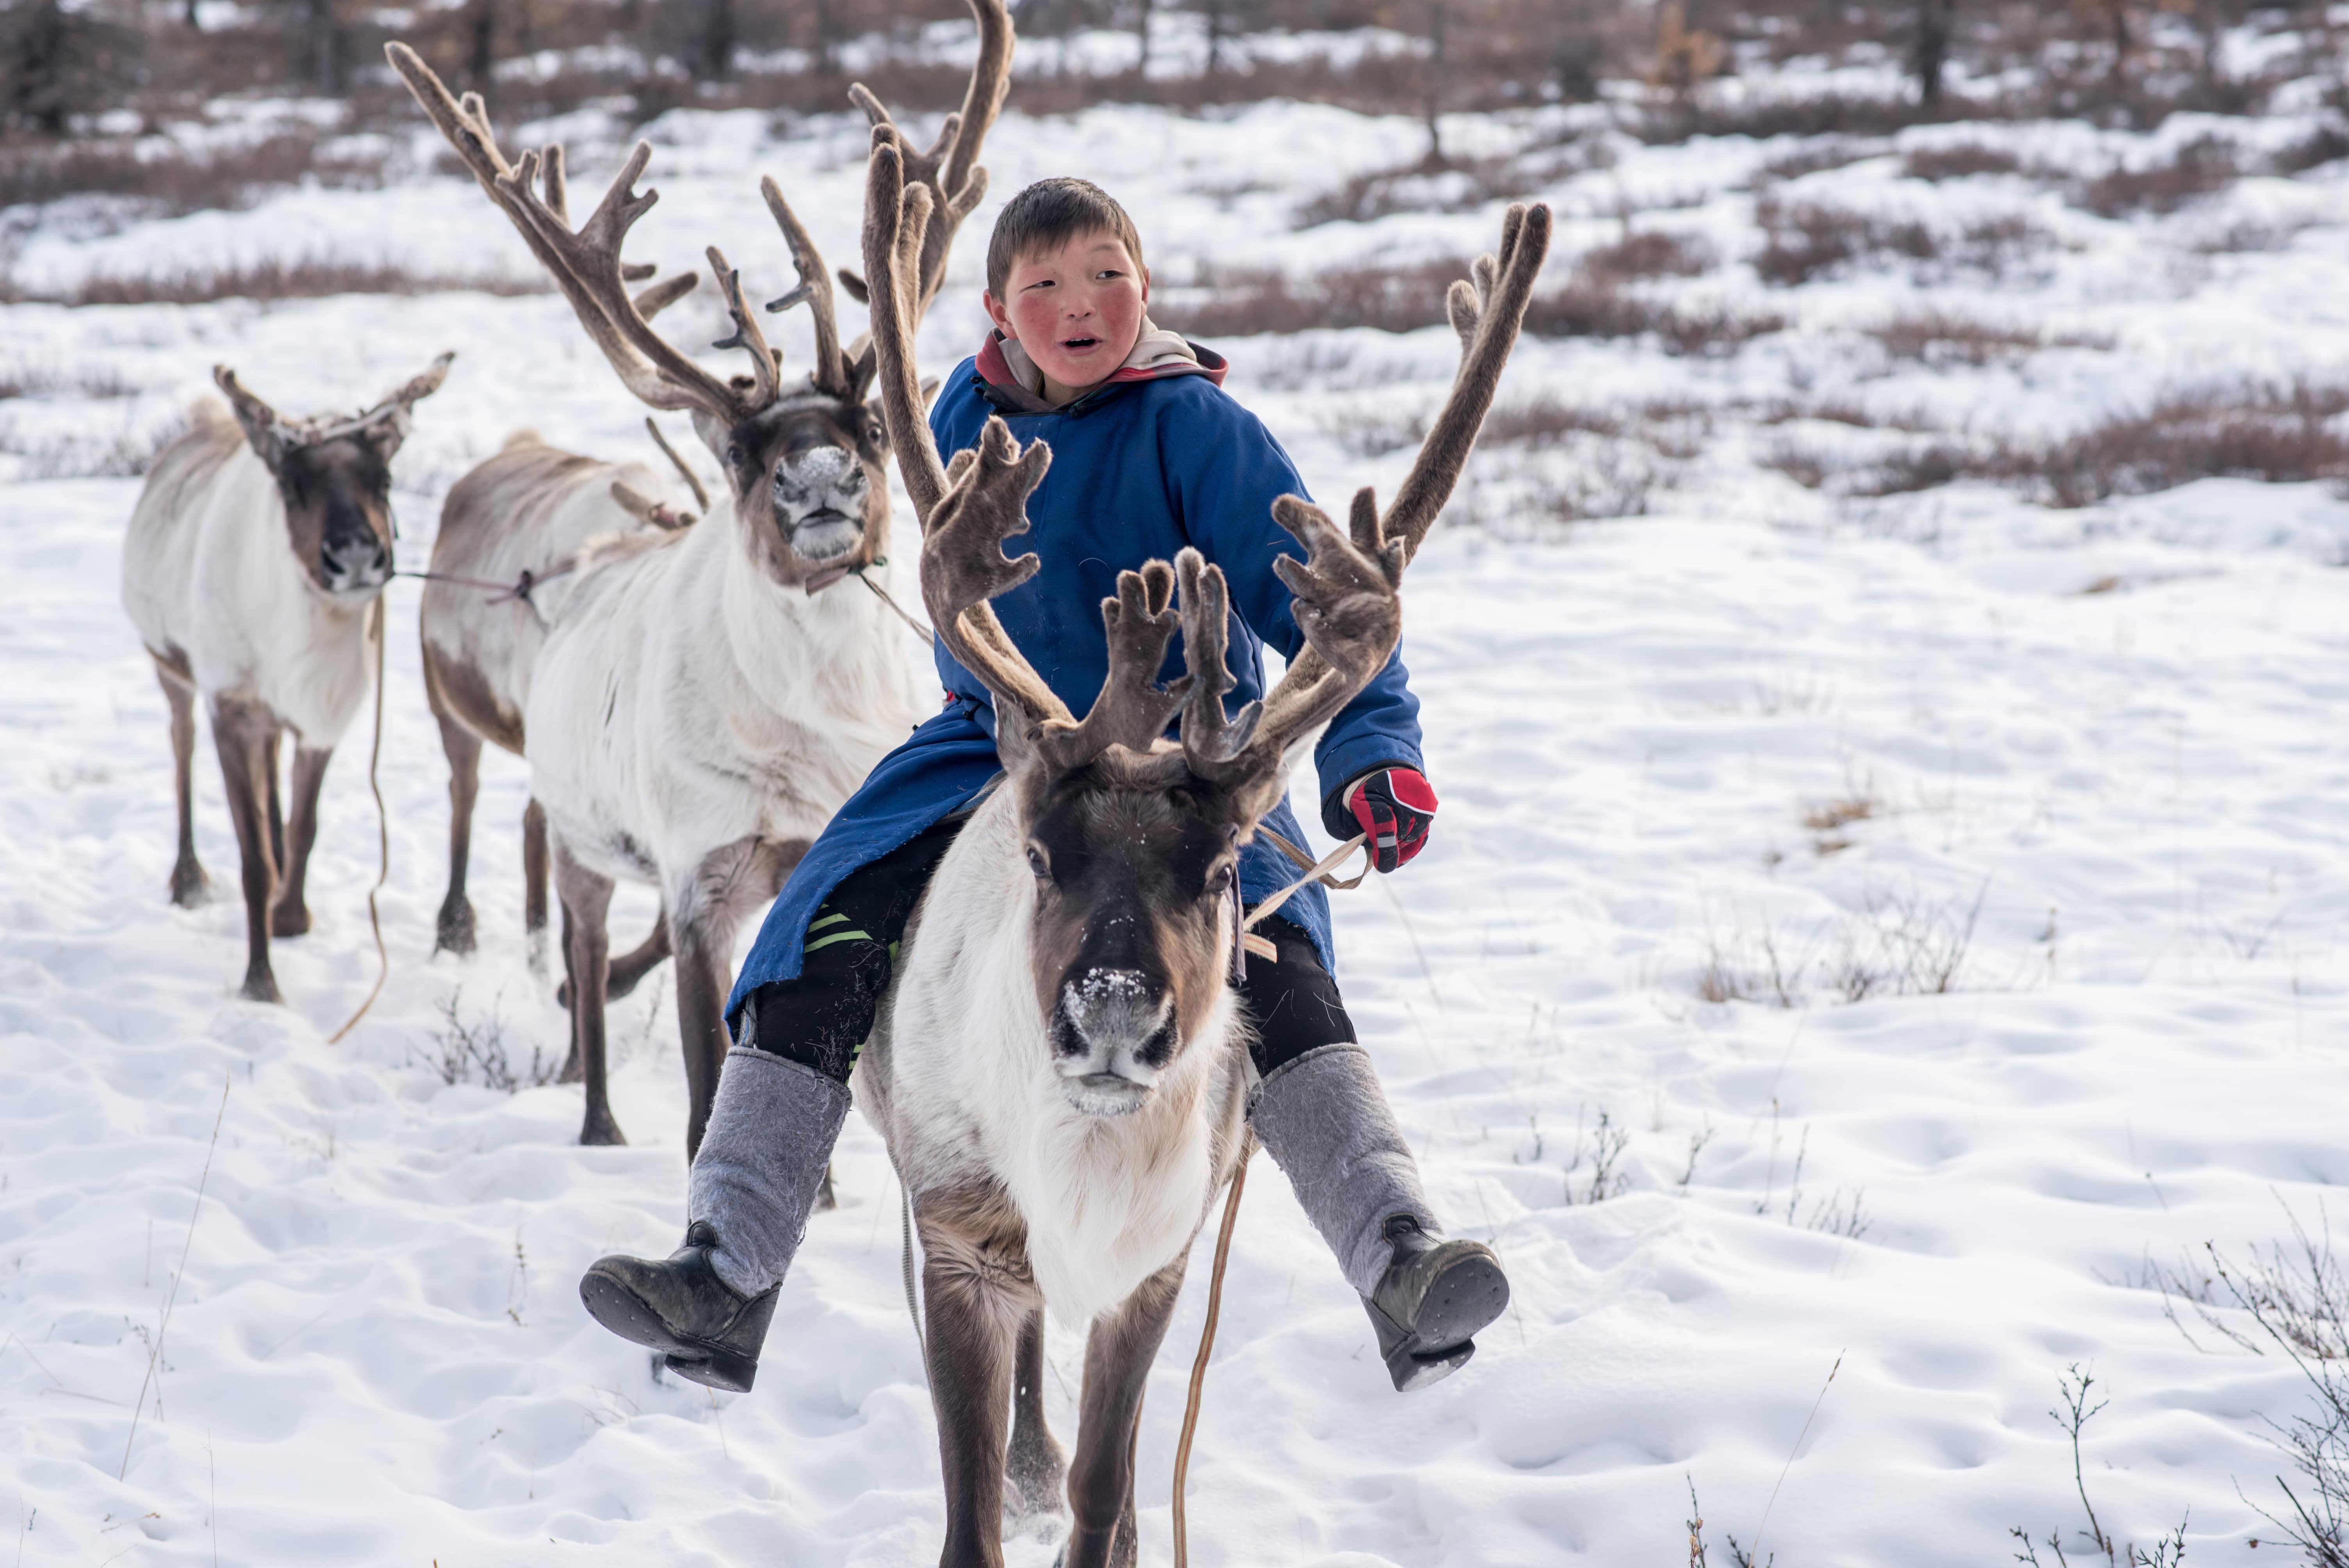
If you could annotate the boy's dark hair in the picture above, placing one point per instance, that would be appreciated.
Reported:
(1048, 213)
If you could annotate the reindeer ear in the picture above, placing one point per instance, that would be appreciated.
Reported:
(715, 435)
(419, 388)
(263, 429)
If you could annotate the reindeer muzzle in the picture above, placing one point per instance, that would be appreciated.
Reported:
(1113, 1034)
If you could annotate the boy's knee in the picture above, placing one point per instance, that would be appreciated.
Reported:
(1293, 998)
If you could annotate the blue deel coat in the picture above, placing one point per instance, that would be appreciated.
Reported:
(1140, 470)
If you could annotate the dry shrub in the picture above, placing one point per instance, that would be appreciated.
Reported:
(1818, 158)
(178, 179)
(1587, 308)
(2325, 144)
(49, 380)
(1762, 118)
(1940, 337)
(2277, 434)
(1959, 160)
(306, 278)
(125, 452)
(1650, 254)
(1898, 944)
(2196, 169)
(1806, 239)
(1242, 302)
(1449, 185)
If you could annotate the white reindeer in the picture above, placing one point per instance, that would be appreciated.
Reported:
(1060, 1069)
(706, 699)
(254, 559)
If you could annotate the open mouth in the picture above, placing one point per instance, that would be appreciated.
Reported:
(1079, 345)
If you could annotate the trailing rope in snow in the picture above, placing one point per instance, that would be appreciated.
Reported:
(1206, 1344)
(382, 829)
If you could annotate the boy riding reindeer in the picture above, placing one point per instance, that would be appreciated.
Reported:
(1149, 461)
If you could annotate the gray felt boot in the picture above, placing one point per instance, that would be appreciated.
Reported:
(763, 1159)
(1328, 1126)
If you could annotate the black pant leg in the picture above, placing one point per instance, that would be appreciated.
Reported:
(821, 1018)
(1293, 999)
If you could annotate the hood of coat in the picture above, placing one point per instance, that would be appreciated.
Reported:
(1016, 386)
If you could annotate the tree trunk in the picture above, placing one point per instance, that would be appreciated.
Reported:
(1142, 36)
(1215, 37)
(1439, 21)
(1933, 23)
(481, 57)
(718, 40)
(326, 48)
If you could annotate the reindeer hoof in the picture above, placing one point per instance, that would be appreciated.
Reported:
(261, 985)
(189, 886)
(289, 920)
(601, 1132)
(455, 931)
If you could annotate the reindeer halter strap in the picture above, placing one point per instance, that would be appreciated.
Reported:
(1315, 871)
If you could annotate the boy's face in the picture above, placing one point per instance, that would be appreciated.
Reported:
(1076, 309)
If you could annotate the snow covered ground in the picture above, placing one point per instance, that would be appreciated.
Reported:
(2075, 777)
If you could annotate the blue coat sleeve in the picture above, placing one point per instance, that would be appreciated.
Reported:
(1227, 470)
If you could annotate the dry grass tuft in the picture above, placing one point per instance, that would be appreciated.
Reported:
(1650, 254)
(178, 179)
(2195, 170)
(2277, 434)
(1942, 337)
(1805, 240)
(314, 277)
(1960, 161)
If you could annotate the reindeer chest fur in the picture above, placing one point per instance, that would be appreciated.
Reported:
(679, 704)
(966, 1093)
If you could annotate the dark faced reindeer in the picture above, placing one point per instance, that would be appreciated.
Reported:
(1060, 1070)
(704, 700)
(258, 551)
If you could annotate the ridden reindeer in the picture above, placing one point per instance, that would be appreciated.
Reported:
(521, 518)
(255, 558)
(1060, 1069)
(707, 698)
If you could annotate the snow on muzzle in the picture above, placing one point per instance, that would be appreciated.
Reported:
(819, 503)
(1112, 1033)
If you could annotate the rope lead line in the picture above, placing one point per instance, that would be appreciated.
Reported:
(383, 832)
(1206, 1344)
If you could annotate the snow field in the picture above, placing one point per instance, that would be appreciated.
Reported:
(2111, 817)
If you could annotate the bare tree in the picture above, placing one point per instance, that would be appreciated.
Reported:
(1934, 18)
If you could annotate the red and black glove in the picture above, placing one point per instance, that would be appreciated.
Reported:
(1395, 807)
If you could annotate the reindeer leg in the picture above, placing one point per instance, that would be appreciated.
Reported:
(1035, 1468)
(640, 960)
(277, 808)
(703, 914)
(1118, 1354)
(245, 734)
(188, 880)
(976, 1295)
(630, 968)
(702, 955)
(533, 885)
(454, 931)
(586, 953)
(290, 915)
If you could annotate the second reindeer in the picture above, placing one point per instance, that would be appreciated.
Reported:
(707, 697)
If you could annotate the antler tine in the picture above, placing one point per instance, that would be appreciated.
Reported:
(948, 165)
(814, 287)
(1488, 315)
(746, 335)
(1132, 709)
(586, 265)
(557, 188)
(963, 567)
(1211, 741)
(895, 215)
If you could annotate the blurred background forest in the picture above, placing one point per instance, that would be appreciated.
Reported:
(99, 96)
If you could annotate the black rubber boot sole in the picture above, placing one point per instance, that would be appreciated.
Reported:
(621, 1310)
(1461, 1300)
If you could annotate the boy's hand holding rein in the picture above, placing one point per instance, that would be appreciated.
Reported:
(1393, 807)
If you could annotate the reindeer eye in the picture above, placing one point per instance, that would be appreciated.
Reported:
(1219, 880)
(1036, 863)
(734, 454)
